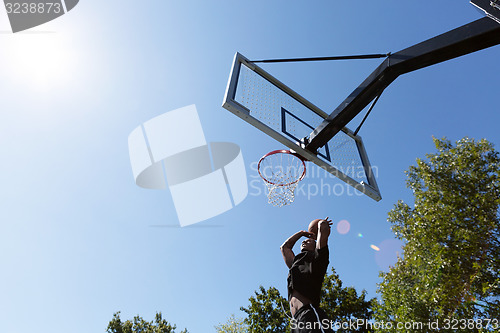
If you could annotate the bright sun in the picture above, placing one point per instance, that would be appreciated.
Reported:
(41, 60)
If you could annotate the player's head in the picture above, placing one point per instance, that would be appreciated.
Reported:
(308, 244)
(313, 227)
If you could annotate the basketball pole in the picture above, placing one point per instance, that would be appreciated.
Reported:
(472, 37)
(348, 57)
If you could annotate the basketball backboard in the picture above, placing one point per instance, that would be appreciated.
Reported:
(266, 103)
(490, 7)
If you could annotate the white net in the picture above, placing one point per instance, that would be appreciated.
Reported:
(281, 172)
(280, 196)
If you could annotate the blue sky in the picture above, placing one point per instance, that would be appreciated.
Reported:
(80, 241)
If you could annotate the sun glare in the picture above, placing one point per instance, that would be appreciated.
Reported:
(41, 60)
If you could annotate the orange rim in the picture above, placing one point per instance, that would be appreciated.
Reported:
(282, 151)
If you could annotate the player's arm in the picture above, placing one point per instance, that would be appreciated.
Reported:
(287, 246)
(323, 233)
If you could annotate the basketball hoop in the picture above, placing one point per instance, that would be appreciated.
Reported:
(281, 170)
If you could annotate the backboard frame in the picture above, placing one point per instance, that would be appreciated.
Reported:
(370, 189)
(490, 7)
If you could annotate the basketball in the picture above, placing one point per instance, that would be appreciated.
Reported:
(313, 226)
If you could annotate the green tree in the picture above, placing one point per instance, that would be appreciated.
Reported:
(233, 325)
(266, 313)
(139, 325)
(342, 304)
(451, 264)
(269, 311)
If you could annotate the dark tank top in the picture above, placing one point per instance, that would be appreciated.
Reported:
(307, 273)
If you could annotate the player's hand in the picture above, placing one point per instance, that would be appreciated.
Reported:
(325, 225)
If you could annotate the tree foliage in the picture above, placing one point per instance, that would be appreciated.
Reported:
(451, 264)
(139, 325)
(342, 304)
(266, 313)
(233, 325)
(269, 311)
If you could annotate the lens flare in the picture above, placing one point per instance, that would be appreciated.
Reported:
(360, 235)
(390, 251)
(343, 227)
(375, 247)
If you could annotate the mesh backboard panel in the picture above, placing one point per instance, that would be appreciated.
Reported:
(346, 157)
(266, 103)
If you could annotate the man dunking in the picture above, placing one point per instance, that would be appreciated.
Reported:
(306, 275)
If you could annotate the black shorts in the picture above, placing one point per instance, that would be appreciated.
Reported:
(310, 319)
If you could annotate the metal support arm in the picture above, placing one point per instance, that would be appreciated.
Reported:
(466, 39)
